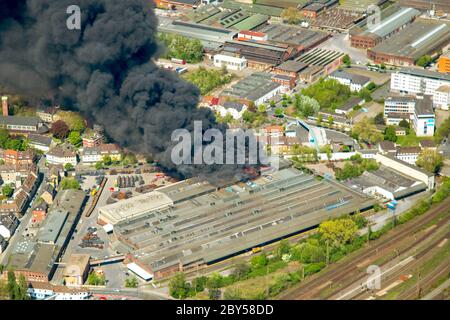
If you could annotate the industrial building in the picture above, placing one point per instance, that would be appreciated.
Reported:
(386, 183)
(37, 250)
(422, 37)
(211, 37)
(200, 224)
(258, 88)
(389, 160)
(419, 81)
(321, 62)
(260, 56)
(230, 62)
(393, 19)
(300, 38)
(418, 110)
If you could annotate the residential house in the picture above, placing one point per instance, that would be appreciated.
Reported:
(428, 144)
(96, 154)
(408, 154)
(3, 244)
(17, 157)
(39, 142)
(355, 81)
(235, 109)
(92, 139)
(48, 194)
(47, 114)
(387, 147)
(8, 225)
(347, 107)
(20, 124)
(62, 154)
(42, 290)
(39, 213)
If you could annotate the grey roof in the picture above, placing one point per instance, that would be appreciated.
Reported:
(320, 57)
(419, 38)
(292, 66)
(425, 73)
(53, 226)
(252, 87)
(354, 78)
(40, 139)
(424, 105)
(350, 104)
(393, 21)
(19, 120)
(392, 157)
(233, 105)
(210, 37)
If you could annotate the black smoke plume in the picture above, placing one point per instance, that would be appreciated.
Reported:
(105, 71)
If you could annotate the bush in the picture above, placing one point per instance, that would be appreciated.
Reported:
(207, 80)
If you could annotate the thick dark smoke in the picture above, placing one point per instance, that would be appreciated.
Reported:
(104, 70)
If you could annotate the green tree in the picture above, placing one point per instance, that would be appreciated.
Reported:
(68, 166)
(209, 79)
(70, 183)
(75, 138)
(404, 124)
(279, 112)
(389, 134)
(74, 120)
(181, 47)
(259, 261)
(379, 119)
(131, 282)
(95, 279)
(338, 232)
(107, 161)
(430, 160)
(424, 61)
(7, 190)
(291, 15)
(346, 60)
(179, 288)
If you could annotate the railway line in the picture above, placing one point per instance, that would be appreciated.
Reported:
(352, 267)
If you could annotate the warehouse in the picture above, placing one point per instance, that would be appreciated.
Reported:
(300, 38)
(423, 37)
(211, 37)
(206, 227)
(258, 88)
(35, 255)
(260, 56)
(327, 60)
(393, 20)
(386, 184)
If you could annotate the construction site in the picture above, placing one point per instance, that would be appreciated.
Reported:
(188, 225)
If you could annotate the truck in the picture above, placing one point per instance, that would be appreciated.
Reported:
(179, 61)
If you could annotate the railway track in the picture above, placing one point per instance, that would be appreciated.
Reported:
(419, 257)
(379, 248)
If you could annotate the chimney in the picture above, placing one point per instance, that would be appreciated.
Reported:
(5, 106)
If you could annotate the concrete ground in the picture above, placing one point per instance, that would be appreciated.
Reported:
(382, 92)
(341, 42)
(373, 108)
(377, 77)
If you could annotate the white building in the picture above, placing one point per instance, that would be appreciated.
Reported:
(354, 81)
(408, 154)
(416, 110)
(235, 109)
(46, 291)
(252, 35)
(419, 81)
(232, 63)
(62, 154)
(407, 169)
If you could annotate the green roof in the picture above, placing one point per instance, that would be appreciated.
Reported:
(283, 3)
(252, 8)
(251, 22)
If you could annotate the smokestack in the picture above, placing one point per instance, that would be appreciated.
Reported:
(5, 106)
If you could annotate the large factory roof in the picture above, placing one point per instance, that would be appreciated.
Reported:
(293, 36)
(134, 207)
(320, 57)
(229, 220)
(252, 8)
(252, 87)
(393, 18)
(418, 39)
(210, 36)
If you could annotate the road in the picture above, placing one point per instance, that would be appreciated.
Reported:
(24, 221)
(353, 268)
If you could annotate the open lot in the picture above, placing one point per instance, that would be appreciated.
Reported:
(373, 108)
(341, 42)
(377, 77)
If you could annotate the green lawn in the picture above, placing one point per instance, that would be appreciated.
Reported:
(411, 140)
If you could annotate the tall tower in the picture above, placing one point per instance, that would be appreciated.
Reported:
(5, 106)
